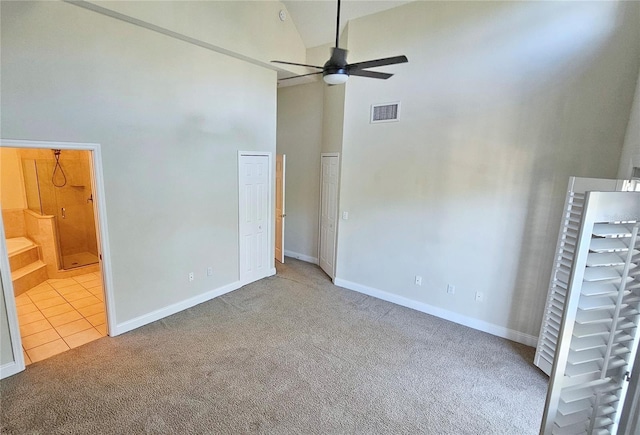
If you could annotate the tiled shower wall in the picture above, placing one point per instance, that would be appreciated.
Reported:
(78, 229)
(14, 225)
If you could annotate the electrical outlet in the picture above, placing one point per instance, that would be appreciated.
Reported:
(191, 276)
(209, 271)
(418, 280)
(479, 297)
(451, 289)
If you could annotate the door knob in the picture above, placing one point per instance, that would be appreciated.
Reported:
(283, 215)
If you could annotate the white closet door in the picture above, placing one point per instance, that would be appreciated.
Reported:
(328, 213)
(598, 334)
(563, 262)
(254, 209)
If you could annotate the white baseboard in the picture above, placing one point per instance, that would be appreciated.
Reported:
(302, 257)
(480, 325)
(161, 313)
(10, 369)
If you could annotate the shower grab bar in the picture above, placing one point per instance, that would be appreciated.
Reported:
(64, 216)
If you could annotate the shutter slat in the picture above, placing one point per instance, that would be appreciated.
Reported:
(600, 288)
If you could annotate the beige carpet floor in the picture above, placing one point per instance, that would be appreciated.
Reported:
(288, 354)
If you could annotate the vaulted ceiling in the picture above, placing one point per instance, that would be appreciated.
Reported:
(316, 19)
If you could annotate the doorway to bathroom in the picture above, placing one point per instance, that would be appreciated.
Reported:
(57, 298)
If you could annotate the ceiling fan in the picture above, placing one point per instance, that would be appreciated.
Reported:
(336, 70)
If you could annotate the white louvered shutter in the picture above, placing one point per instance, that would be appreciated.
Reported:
(563, 262)
(598, 335)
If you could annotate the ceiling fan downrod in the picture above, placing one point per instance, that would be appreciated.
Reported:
(338, 25)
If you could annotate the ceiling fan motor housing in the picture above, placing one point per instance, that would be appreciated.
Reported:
(334, 69)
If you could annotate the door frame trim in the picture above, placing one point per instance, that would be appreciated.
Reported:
(284, 203)
(100, 214)
(10, 368)
(335, 241)
(270, 246)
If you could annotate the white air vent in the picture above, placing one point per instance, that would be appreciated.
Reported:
(387, 112)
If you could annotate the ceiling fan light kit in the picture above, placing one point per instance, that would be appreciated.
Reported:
(336, 78)
(336, 70)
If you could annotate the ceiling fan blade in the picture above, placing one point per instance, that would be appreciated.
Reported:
(370, 74)
(338, 56)
(303, 75)
(378, 62)
(297, 64)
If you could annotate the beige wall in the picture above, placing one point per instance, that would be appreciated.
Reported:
(333, 119)
(501, 103)
(631, 150)
(300, 138)
(249, 30)
(170, 118)
(12, 194)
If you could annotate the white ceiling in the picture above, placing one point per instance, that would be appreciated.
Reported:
(316, 19)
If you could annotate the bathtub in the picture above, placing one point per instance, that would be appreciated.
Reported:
(17, 244)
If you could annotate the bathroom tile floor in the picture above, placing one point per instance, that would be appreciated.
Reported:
(61, 314)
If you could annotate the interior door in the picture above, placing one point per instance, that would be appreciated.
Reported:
(254, 217)
(281, 162)
(328, 213)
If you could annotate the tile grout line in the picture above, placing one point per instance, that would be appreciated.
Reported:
(91, 327)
